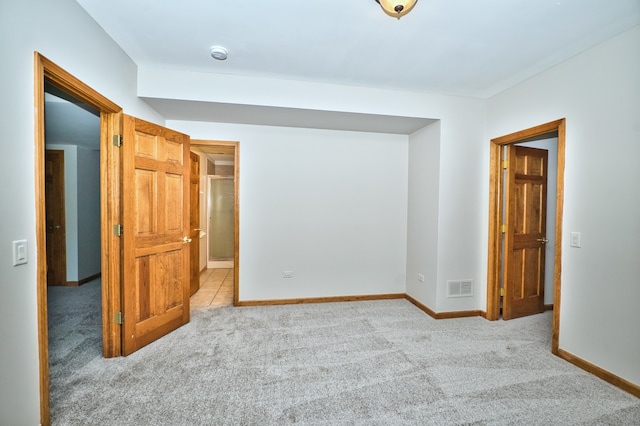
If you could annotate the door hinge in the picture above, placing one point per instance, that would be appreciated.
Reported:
(503, 228)
(501, 291)
(505, 163)
(117, 140)
(119, 318)
(118, 230)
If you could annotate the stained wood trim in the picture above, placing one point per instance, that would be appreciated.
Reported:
(330, 299)
(495, 219)
(41, 234)
(520, 136)
(110, 201)
(82, 281)
(89, 278)
(444, 315)
(110, 212)
(548, 307)
(555, 338)
(236, 209)
(495, 215)
(605, 375)
(71, 85)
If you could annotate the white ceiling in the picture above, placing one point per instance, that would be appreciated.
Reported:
(459, 47)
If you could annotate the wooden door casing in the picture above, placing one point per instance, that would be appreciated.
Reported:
(55, 218)
(156, 170)
(195, 223)
(525, 237)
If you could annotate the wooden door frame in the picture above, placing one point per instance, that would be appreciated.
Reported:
(236, 207)
(496, 198)
(110, 123)
(194, 277)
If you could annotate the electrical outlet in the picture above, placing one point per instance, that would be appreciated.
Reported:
(287, 274)
(421, 278)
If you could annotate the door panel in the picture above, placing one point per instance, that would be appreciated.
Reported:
(526, 204)
(195, 222)
(156, 228)
(55, 218)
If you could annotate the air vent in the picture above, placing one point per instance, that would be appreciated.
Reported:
(460, 288)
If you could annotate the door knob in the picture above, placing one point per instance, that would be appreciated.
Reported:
(543, 240)
(198, 229)
(186, 240)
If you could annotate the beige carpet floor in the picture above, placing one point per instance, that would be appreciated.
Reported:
(360, 363)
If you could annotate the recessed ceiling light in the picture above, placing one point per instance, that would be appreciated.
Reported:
(219, 53)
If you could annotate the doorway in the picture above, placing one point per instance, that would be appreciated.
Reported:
(52, 76)
(219, 218)
(496, 210)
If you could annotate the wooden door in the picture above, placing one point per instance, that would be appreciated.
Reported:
(55, 218)
(525, 236)
(195, 223)
(155, 211)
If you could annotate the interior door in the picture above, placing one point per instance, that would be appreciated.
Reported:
(195, 222)
(155, 211)
(525, 239)
(55, 218)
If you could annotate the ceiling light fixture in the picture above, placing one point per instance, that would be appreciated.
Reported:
(397, 8)
(219, 53)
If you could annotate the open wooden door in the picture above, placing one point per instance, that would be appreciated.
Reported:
(524, 244)
(55, 217)
(195, 223)
(155, 211)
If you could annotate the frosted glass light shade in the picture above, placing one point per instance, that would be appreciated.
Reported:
(397, 8)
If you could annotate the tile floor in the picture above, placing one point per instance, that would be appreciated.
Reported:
(216, 288)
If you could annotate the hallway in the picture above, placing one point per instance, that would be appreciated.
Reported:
(216, 289)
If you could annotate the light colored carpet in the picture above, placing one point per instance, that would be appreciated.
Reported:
(373, 363)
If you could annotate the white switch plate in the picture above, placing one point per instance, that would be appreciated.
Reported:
(287, 274)
(19, 252)
(421, 278)
(575, 239)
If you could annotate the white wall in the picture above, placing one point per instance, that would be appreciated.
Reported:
(463, 184)
(463, 209)
(63, 32)
(422, 219)
(328, 205)
(598, 92)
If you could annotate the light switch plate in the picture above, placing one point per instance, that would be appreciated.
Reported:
(575, 239)
(19, 252)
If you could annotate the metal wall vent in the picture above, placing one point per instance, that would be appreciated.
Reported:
(460, 288)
